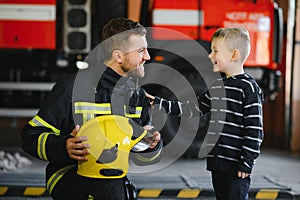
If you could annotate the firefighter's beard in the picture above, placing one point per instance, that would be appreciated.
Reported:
(133, 68)
(138, 71)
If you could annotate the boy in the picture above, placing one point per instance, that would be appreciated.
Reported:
(232, 157)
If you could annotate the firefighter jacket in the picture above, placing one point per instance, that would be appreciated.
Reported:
(75, 101)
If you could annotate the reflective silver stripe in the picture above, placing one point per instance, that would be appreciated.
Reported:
(90, 116)
(137, 114)
(93, 108)
(89, 110)
(87, 117)
(38, 121)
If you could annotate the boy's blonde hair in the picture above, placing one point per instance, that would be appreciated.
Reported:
(235, 38)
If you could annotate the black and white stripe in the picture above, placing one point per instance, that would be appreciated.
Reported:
(242, 133)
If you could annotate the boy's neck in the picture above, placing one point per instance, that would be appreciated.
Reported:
(235, 72)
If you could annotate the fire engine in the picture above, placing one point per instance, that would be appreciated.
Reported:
(199, 19)
(42, 40)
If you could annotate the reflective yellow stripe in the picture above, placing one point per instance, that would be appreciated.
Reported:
(267, 194)
(144, 159)
(56, 177)
(41, 148)
(150, 193)
(37, 121)
(87, 109)
(34, 191)
(132, 115)
(188, 193)
(93, 108)
(85, 118)
(3, 190)
(137, 114)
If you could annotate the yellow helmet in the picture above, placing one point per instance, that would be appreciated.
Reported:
(111, 138)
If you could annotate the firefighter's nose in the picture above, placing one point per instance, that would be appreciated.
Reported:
(146, 55)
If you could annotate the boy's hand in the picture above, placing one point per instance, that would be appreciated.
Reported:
(151, 98)
(242, 174)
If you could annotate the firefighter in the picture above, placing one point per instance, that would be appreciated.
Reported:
(53, 134)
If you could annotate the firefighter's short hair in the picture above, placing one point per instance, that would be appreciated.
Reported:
(116, 33)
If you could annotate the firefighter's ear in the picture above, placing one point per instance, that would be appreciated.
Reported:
(235, 55)
(117, 56)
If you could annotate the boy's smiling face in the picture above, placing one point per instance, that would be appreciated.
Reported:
(220, 56)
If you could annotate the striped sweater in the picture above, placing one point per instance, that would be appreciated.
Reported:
(235, 132)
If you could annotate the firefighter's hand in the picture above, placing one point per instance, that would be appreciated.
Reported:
(155, 138)
(75, 148)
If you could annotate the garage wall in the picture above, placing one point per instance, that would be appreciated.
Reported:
(295, 139)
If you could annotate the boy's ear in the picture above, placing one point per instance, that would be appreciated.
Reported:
(117, 56)
(235, 55)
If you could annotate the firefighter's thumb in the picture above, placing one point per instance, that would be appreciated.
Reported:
(75, 130)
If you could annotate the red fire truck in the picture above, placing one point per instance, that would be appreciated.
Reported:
(198, 19)
(41, 41)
